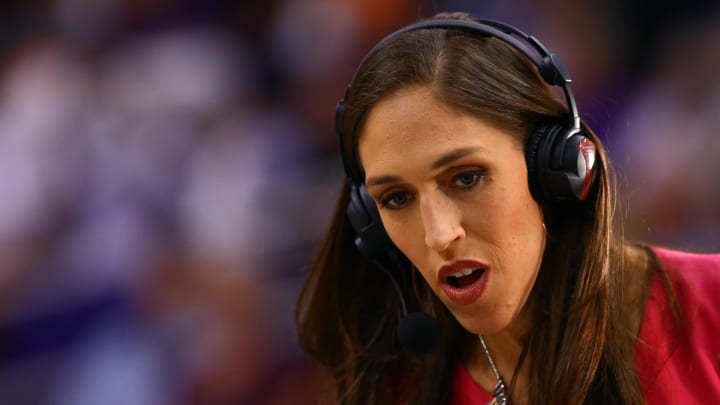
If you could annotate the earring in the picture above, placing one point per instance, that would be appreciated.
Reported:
(547, 232)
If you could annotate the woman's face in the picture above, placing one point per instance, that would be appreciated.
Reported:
(453, 195)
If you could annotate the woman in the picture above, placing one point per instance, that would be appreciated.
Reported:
(477, 196)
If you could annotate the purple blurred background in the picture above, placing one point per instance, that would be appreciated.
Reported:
(167, 168)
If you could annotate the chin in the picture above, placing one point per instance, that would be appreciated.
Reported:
(481, 325)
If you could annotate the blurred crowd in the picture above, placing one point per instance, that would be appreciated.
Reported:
(167, 168)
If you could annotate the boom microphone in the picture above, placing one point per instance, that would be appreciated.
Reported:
(419, 332)
(416, 331)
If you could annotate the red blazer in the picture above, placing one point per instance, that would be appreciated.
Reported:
(674, 369)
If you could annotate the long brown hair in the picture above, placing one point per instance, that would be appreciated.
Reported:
(581, 347)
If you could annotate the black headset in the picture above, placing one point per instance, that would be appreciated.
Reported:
(560, 158)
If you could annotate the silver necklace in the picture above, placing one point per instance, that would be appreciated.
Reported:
(499, 396)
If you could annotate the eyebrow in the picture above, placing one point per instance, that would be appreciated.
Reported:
(455, 155)
(448, 158)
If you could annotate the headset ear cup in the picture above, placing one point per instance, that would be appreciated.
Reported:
(371, 239)
(560, 164)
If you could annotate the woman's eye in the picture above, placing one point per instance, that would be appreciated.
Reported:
(395, 200)
(467, 179)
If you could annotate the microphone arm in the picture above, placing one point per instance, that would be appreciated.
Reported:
(398, 290)
(416, 331)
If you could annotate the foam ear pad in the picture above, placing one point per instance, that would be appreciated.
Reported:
(537, 157)
(531, 150)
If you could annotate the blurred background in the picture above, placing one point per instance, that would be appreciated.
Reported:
(167, 168)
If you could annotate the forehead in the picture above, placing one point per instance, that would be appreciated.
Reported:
(407, 115)
(413, 125)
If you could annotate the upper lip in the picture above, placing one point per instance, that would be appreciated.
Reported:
(460, 265)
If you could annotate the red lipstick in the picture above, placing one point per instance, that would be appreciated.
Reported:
(464, 281)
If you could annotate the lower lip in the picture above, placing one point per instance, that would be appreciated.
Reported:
(468, 294)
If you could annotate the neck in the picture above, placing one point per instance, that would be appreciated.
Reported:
(505, 348)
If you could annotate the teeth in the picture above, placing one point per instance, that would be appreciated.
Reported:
(465, 272)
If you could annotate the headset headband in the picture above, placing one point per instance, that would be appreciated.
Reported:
(551, 68)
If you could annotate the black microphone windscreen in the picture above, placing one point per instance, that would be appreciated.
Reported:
(419, 332)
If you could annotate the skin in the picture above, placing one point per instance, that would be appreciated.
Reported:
(449, 187)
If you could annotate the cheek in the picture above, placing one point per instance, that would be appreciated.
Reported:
(513, 224)
(405, 237)
(408, 236)
(411, 243)
(516, 205)
(523, 229)
(524, 241)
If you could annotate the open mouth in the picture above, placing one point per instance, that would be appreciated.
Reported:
(465, 278)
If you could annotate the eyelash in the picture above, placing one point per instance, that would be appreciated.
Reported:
(477, 174)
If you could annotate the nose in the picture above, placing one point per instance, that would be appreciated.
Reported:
(442, 221)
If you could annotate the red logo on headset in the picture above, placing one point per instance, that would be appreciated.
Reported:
(586, 165)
